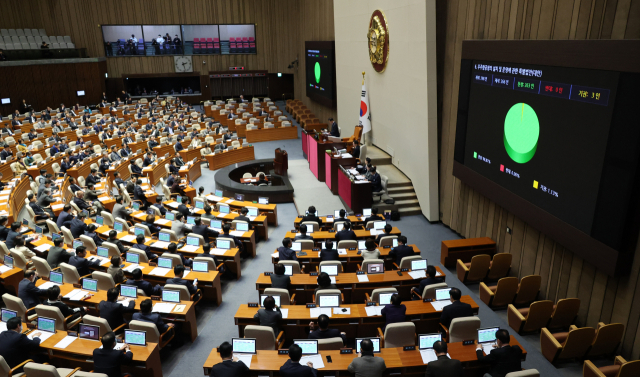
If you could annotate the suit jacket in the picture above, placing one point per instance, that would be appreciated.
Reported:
(312, 218)
(503, 360)
(64, 309)
(78, 227)
(57, 255)
(82, 204)
(400, 252)
(179, 228)
(373, 218)
(295, 369)
(113, 312)
(91, 179)
(120, 211)
(345, 235)
(376, 183)
(184, 210)
(138, 194)
(15, 347)
(29, 293)
(444, 367)
(83, 265)
(36, 208)
(280, 281)
(153, 318)
(204, 231)
(394, 313)
(161, 208)
(326, 334)
(11, 239)
(331, 254)
(335, 131)
(144, 285)
(4, 232)
(269, 318)
(300, 236)
(109, 361)
(284, 253)
(457, 309)
(367, 366)
(229, 368)
(178, 281)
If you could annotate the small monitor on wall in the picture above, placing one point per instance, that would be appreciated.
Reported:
(6, 101)
(80, 93)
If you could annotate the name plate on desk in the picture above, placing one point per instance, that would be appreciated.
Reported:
(371, 303)
(294, 231)
(352, 248)
(468, 342)
(313, 274)
(332, 230)
(156, 298)
(386, 247)
(151, 264)
(268, 273)
(252, 304)
(346, 351)
(427, 300)
(311, 305)
(315, 249)
(283, 352)
(76, 285)
(409, 348)
(359, 272)
(404, 270)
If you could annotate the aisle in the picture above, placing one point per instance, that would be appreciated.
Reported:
(308, 191)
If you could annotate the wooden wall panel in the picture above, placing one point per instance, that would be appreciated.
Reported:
(603, 298)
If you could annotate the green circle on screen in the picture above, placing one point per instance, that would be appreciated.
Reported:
(317, 72)
(521, 132)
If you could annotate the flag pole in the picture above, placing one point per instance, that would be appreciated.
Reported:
(364, 136)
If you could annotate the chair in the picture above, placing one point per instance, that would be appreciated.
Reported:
(566, 345)
(345, 244)
(524, 373)
(102, 323)
(366, 262)
(70, 274)
(6, 371)
(295, 265)
(461, 329)
(141, 255)
(306, 244)
(67, 235)
(88, 242)
(528, 290)
(42, 266)
(312, 224)
(43, 370)
(265, 337)
(499, 266)
(406, 261)
(62, 323)
(108, 219)
(20, 261)
(32, 217)
(330, 344)
(501, 294)
(15, 303)
(387, 241)
(184, 293)
(607, 340)
(530, 319)
(330, 263)
(384, 180)
(430, 291)
(375, 294)
(474, 271)
(147, 232)
(398, 335)
(175, 259)
(105, 280)
(328, 292)
(620, 368)
(285, 299)
(153, 335)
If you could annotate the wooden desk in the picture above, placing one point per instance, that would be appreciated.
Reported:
(84, 169)
(157, 171)
(356, 324)
(356, 196)
(270, 134)
(162, 150)
(11, 279)
(122, 167)
(360, 234)
(146, 359)
(332, 165)
(190, 154)
(398, 362)
(270, 210)
(191, 173)
(465, 249)
(228, 157)
(304, 285)
(34, 170)
(316, 153)
(15, 201)
(329, 224)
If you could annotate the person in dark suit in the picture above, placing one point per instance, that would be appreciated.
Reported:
(303, 233)
(178, 271)
(206, 253)
(329, 253)
(77, 225)
(146, 315)
(444, 366)
(279, 279)
(107, 359)
(55, 299)
(147, 287)
(182, 208)
(243, 216)
(15, 346)
(135, 169)
(159, 206)
(91, 233)
(335, 131)
(28, 292)
(324, 282)
(323, 331)
(457, 308)
(83, 204)
(385, 232)
(4, 231)
(80, 262)
(148, 160)
(346, 233)
(376, 181)
(138, 194)
(429, 280)
(374, 216)
(285, 252)
(355, 152)
(343, 217)
(150, 223)
(395, 312)
(402, 250)
(203, 230)
(230, 366)
(292, 367)
(113, 311)
(504, 359)
(312, 216)
(57, 254)
(10, 241)
(140, 239)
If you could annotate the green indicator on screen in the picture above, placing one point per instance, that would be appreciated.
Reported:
(521, 132)
(317, 72)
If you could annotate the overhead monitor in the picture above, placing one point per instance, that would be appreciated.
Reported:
(319, 60)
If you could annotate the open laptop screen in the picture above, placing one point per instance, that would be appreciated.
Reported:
(244, 345)
(89, 332)
(425, 341)
(487, 334)
(418, 264)
(375, 268)
(330, 270)
(170, 296)
(375, 341)
(135, 337)
(276, 298)
(442, 294)
(309, 346)
(329, 301)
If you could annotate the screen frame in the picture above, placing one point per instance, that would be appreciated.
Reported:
(317, 45)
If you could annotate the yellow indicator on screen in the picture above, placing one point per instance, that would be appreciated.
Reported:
(535, 184)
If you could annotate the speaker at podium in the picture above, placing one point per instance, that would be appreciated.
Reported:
(281, 162)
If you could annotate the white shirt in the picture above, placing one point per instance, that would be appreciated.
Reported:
(160, 40)
(134, 40)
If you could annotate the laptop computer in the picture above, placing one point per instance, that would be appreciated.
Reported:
(276, 298)
(200, 266)
(417, 265)
(487, 335)
(169, 295)
(118, 226)
(55, 277)
(244, 345)
(242, 227)
(329, 301)
(199, 204)
(240, 197)
(330, 270)
(90, 332)
(442, 294)
(137, 230)
(100, 220)
(165, 262)
(296, 246)
(133, 258)
(311, 214)
(8, 261)
(8, 314)
(379, 225)
(47, 324)
(339, 226)
(90, 284)
(103, 252)
(336, 213)
(223, 244)
(375, 268)
(385, 298)
(224, 209)
(191, 220)
(170, 216)
(164, 237)
(375, 341)
(309, 346)
(135, 337)
(130, 291)
(77, 244)
(253, 211)
(218, 193)
(394, 242)
(425, 341)
(193, 241)
(262, 200)
(135, 205)
(39, 229)
(55, 236)
(179, 199)
(216, 224)
(288, 270)
(366, 212)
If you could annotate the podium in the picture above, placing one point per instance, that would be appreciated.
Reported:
(281, 162)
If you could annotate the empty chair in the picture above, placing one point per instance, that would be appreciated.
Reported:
(62, 323)
(15, 303)
(87, 241)
(462, 329)
(330, 343)
(265, 337)
(70, 45)
(42, 267)
(105, 280)
(328, 292)
(524, 373)
(530, 319)
(405, 262)
(375, 294)
(474, 271)
(528, 290)
(398, 335)
(346, 244)
(295, 265)
(429, 291)
(20, 32)
(620, 368)
(153, 335)
(607, 339)
(282, 293)
(35, 32)
(566, 345)
(102, 323)
(500, 266)
(501, 294)
(306, 244)
(42, 370)
(66, 39)
(61, 39)
(70, 274)
(55, 45)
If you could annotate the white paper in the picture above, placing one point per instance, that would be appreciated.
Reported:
(163, 307)
(429, 355)
(44, 247)
(417, 274)
(328, 220)
(104, 198)
(159, 271)
(162, 221)
(160, 244)
(285, 313)
(186, 272)
(341, 311)
(438, 273)
(4, 269)
(316, 360)
(57, 206)
(47, 285)
(214, 198)
(487, 347)
(252, 218)
(131, 267)
(333, 279)
(237, 233)
(173, 204)
(245, 358)
(316, 312)
(119, 346)
(124, 302)
(439, 305)
(44, 335)
(221, 215)
(65, 342)
(72, 293)
(3, 326)
(216, 251)
(106, 233)
(342, 251)
(362, 278)
(275, 255)
(140, 215)
(229, 201)
(128, 238)
(346, 155)
(373, 310)
(374, 232)
(190, 248)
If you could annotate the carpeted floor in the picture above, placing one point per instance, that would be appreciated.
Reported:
(307, 190)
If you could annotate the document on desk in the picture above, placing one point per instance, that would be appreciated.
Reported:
(44, 247)
(439, 305)
(173, 204)
(373, 310)
(346, 155)
(190, 248)
(186, 273)
(429, 355)
(3, 326)
(163, 307)
(360, 181)
(140, 215)
(342, 251)
(418, 274)
(373, 232)
(221, 215)
(4, 269)
(179, 308)
(362, 278)
(328, 219)
(160, 244)
(73, 293)
(131, 267)
(252, 218)
(333, 279)
(216, 251)
(64, 343)
(245, 358)
(214, 198)
(316, 312)
(57, 206)
(47, 285)
(488, 347)
(237, 233)
(229, 201)
(124, 302)
(285, 313)
(104, 198)
(159, 271)
(342, 311)
(128, 238)
(44, 335)
(162, 221)
(316, 360)
(438, 273)
(275, 255)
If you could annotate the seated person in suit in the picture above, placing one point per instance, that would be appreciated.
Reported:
(147, 287)
(150, 223)
(376, 180)
(335, 131)
(504, 359)
(343, 217)
(173, 249)
(285, 252)
(73, 185)
(367, 364)
(77, 225)
(178, 271)
(15, 346)
(386, 232)
(115, 270)
(402, 250)
(395, 312)
(159, 206)
(312, 216)
(372, 251)
(179, 227)
(278, 278)
(140, 239)
(138, 194)
(243, 215)
(146, 315)
(82, 264)
(28, 292)
(230, 366)
(444, 366)
(55, 299)
(457, 308)
(21, 248)
(107, 359)
(324, 282)
(374, 216)
(226, 228)
(83, 204)
(355, 151)
(203, 230)
(270, 315)
(92, 177)
(303, 234)
(4, 231)
(346, 233)
(206, 253)
(323, 331)
(207, 212)
(292, 367)
(57, 254)
(135, 169)
(328, 253)
(148, 160)
(91, 233)
(113, 238)
(430, 279)
(182, 208)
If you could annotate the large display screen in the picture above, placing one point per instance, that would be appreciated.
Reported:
(541, 132)
(320, 71)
